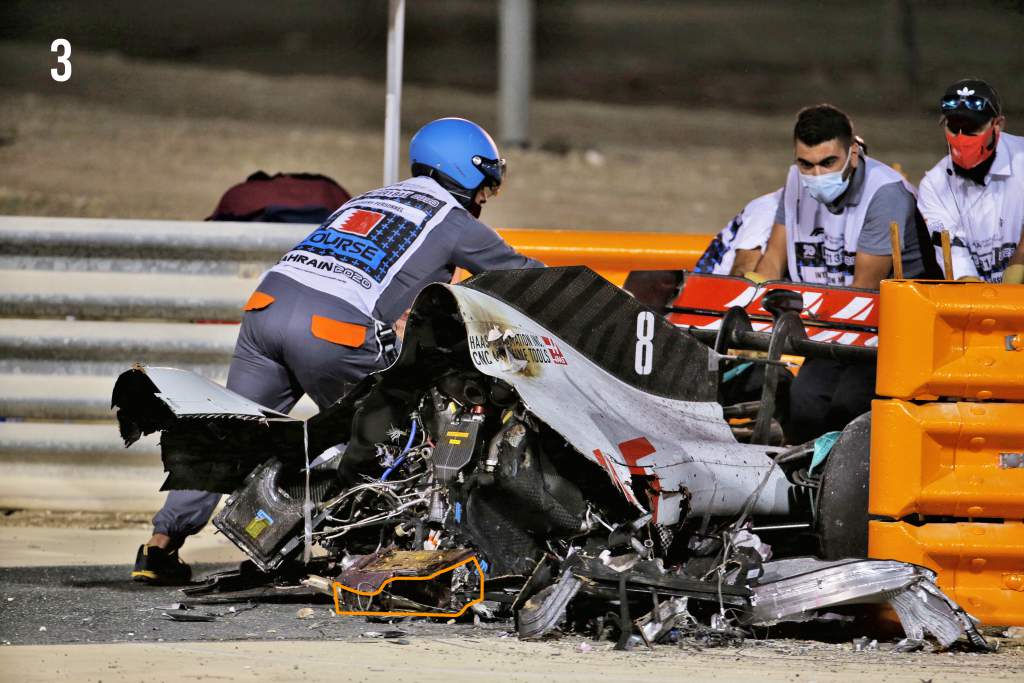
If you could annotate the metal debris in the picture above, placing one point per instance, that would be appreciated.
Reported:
(319, 584)
(188, 615)
(656, 624)
(545, 611)
(864, 644)
(383, 634)
(792, 589)
(908, 645)
(595, 498)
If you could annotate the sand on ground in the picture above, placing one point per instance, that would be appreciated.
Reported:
(471, 660)
(129, 138)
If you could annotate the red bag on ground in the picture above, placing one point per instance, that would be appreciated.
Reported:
(281, 198)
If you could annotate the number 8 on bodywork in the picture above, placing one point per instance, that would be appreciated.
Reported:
(644, 359)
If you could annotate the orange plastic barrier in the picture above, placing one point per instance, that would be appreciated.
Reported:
(951, 339)
(611, 253)
(980, 566)
(947, 459)
(958, 468)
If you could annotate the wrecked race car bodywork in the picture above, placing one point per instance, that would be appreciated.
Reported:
(547, 421)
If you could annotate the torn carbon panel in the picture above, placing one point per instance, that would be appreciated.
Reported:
(505, 544)
(600, 320)
(217, 456)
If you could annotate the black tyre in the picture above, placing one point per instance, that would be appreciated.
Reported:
(843, 497)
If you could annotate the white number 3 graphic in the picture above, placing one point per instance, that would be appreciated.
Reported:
(644, 360)
(62, 48)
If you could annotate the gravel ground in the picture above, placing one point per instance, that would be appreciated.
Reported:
(98, 604)
(58, 519)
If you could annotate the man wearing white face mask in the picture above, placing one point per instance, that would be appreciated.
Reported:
(832, 227)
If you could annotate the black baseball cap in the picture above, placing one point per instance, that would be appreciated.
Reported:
(970, 103)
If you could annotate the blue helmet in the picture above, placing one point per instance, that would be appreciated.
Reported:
(459, 155)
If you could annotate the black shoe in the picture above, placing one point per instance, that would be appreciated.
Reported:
(159, 567)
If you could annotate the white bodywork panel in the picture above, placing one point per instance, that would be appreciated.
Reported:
(686, 448)
(190, 395)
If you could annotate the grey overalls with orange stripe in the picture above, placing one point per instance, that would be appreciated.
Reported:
(310, 327)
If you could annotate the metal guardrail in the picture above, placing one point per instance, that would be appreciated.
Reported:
(122, 296)
(177, 247)
(83, 299)
(243, 249)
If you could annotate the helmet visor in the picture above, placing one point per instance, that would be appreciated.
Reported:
(494, 170)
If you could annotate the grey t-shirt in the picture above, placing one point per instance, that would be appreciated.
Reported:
(459, 241)
(892, 202)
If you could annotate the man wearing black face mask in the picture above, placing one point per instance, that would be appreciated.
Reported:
(976, 192)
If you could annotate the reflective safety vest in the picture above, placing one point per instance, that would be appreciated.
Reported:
(822, 246)
(356, 252)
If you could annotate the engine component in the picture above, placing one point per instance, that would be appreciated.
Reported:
(469, 389)
(455, 447)
(261, 517)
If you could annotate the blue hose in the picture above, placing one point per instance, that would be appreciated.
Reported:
(401, 458)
